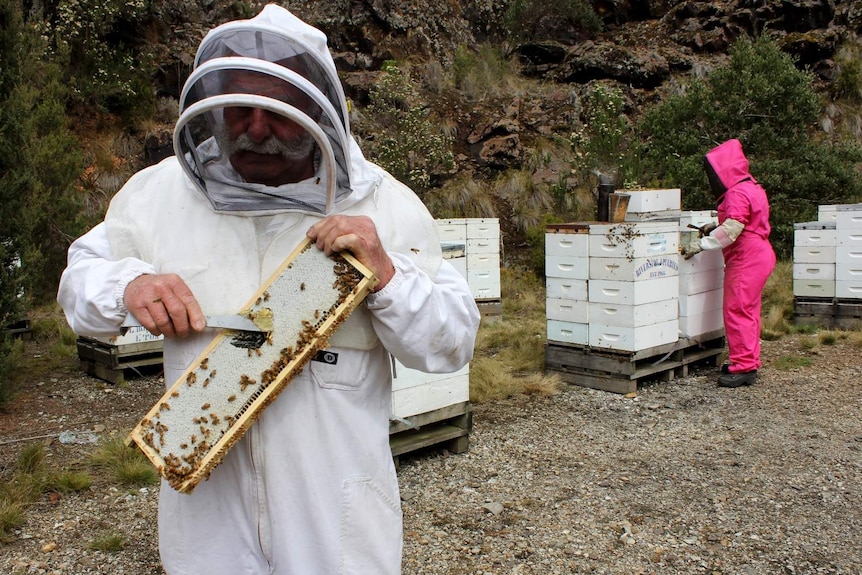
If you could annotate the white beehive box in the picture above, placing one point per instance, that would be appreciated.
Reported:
(815, 245)
(808, 271)
(452, 230)
(576, 268)
(633, 293)
(633, 315)
(569, 310)
(707, 321)
(815, 234)
(697, 218)
(814, 288)
(634, 338)
(827, 213)
(815, 254)
(568, 332)
(848, 290)
(641, 201)
(415, 392)
(567, 245)
(701, 302)
(695, 283)
(480, 264)
(566, 288)
(663, 240)
(849, 218)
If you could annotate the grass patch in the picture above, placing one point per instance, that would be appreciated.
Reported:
(510, 352)
(126, 465)
(72, 481)
(789, 362)
(108, 543)
(21, 486)
(777, 310)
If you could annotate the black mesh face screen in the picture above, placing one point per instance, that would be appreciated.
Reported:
(715, 184)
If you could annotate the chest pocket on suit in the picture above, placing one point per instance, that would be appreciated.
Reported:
(340, 368)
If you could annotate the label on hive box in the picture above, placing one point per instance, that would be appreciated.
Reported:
(635, 269)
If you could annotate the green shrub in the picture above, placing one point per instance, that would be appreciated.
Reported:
(761, 98)
(108, 69)
(526, 20)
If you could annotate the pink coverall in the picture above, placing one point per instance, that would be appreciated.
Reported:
(749, 260)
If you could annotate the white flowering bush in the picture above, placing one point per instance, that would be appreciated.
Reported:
(407, 142)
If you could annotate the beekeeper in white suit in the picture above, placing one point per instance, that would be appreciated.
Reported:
(264, 159)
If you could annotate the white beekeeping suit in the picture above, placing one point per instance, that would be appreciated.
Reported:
(311, 488)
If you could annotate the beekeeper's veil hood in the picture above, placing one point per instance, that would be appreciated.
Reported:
(277, 63)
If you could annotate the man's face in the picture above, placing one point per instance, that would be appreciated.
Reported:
(265, 147)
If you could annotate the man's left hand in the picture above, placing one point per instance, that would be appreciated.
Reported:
(358, 235)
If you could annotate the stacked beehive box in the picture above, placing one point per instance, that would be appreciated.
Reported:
(827, 268)
(633, 267)
(814, 256)
(613, 297)
(472, 245)
(701, 278)
(434, 408)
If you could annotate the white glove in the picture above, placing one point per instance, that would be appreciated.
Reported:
(692, 248)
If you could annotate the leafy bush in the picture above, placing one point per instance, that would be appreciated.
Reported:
(39, 164)
(108, 69)
(762, 99)
(408, 143)
(526, 20)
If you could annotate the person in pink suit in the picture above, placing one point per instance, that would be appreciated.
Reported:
(742, 234)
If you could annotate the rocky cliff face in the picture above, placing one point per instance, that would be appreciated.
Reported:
(644, 48)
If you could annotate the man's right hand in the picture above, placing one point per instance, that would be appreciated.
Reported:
(164, 304)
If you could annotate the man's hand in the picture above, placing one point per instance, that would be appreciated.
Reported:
(689, 250)
(164, 305)
(358, 235)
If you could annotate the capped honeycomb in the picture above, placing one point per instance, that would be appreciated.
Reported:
(190, 429)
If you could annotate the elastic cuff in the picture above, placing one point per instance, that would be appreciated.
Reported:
(126, 278)
(374, 297)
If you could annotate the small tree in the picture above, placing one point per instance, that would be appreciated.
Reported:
(39, 164)
(762, 99)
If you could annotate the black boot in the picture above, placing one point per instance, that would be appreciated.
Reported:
(737, 379)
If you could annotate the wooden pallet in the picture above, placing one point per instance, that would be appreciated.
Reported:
(448, 428)
(622, 371)
(491, 310)
(828, 313)
(17, 329)
(109, 362)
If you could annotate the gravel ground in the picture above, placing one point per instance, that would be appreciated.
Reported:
(684, 478)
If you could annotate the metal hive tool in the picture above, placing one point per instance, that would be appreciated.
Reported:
(191, 428)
